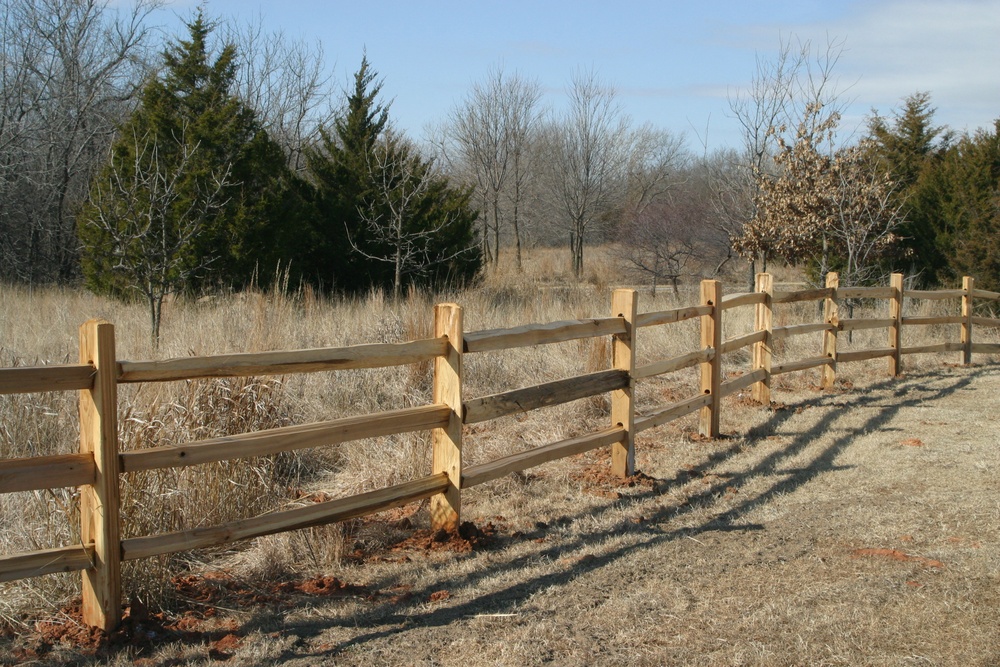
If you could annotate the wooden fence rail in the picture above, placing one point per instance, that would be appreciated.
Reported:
(97, 467)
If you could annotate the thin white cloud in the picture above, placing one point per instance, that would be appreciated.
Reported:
(896, 48)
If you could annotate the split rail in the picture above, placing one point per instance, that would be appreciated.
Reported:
(97, 467)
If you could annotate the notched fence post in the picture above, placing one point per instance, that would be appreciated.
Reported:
(968, 285)
(446, 508)
(624, 304)
(831, 317)
(763, 321)
(711, 370)
(99, 503)
(896, 329)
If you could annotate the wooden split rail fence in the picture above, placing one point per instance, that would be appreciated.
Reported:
(99, 463)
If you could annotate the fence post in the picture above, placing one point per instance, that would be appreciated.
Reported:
(831, 316)
(763, 321)
(624, 303)
(968, 284)
(896, 329)
(99, 503)
(446, 508)
(711, 370)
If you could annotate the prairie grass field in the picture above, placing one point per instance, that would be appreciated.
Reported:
(858, 525)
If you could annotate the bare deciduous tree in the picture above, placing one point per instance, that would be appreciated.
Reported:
(150, 223)
(829, 207)
(588, 161)
(285, 83)
(490, 133)
(70, 71)
(779, 93)
(403, 185)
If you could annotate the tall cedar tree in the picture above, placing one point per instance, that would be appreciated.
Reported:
(340, 173)
(912, 148)
(970, 210)
(203, 135)
(357, 238)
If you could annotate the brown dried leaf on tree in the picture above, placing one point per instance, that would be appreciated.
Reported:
(829, 207)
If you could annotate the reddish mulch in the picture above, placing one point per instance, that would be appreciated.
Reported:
(215, 587)
(598, 480)
(467, 538)
(896, 554)
(140, 629)
(439, 596)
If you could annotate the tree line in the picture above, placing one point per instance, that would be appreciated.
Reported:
(225, 157)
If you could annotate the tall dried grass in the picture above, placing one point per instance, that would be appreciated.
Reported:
(40, 326)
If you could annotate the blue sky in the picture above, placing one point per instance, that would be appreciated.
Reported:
(673, 63)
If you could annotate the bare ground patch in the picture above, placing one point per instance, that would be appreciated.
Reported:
(858, 527)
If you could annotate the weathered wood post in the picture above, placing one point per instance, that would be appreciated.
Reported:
(968, 284)
(99, 503)
(446, 508)
(624, 304)
(711, 369)
(896, 328)
(763, 321)
(831, 317)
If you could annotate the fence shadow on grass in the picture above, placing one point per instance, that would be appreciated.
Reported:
(385, 620)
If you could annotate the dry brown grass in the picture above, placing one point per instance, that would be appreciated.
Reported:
(744, 550)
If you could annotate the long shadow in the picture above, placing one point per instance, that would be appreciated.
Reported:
(908, 392)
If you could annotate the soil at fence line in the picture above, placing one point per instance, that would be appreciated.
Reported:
(196, 619)
(854, 527)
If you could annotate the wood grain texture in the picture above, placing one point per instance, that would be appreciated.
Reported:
(671, 316)
(968, 287)
(935, 294)
(742, 382)
(46, 561)
(543, 395)
(99, 501)
(31, 379)
(46, 472)
(486, 472)
(292, 519)
(924, 320)
(624, 304)
(800, 365)
(799, 329)
(763, 322)
(673, 364)
(446, 440)
(932, 348)
(541, 334)
(738, 299)
(831, 316)
(287, 438)
(895, 331)
(376, 355)
(711, 370)
(985, 321)
(864, 293)
(746, 340)
(671, 412)
(802, 295)
(863, 355)
(860, 324)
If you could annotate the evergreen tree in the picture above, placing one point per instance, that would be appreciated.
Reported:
(911, 148)
(970, 207)
(340, 173)
(386, 218)
(195, 193)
